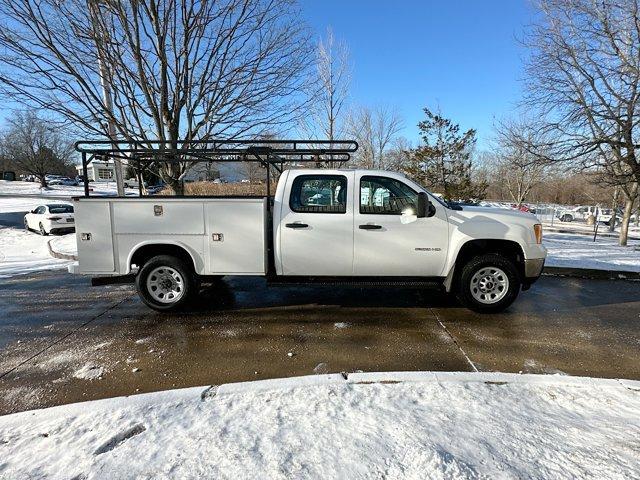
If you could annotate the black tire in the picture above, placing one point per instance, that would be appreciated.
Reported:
(43, 232)
(566, 218)
(26, 225)
(485, 262)
(188, 287)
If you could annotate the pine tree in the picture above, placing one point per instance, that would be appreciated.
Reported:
(443, 163)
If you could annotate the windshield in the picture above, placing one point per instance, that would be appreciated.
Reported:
(60, 209)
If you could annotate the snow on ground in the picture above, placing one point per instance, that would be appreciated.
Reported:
(65, 244)
(405, 425)
(582, 227)
(25, 252)
(580, 251)
(33, 188)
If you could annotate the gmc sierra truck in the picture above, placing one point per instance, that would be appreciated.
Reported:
(328, 226)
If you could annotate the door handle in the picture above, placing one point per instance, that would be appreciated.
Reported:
(370, 227)
(296, 225)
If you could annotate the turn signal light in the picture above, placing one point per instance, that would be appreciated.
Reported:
(537, 229)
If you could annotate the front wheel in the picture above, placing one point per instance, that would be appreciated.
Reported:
(566, 218)
(166, 283)
(488, 283)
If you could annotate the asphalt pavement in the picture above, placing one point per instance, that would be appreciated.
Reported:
(62, 341)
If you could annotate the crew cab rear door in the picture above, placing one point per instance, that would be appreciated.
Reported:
(383, 244)
(315, 233)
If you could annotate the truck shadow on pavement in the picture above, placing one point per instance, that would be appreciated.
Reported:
(236, 294)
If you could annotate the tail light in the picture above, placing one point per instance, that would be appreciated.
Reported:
(537, 229)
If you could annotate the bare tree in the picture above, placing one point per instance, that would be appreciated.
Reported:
(177, 69)
(34, 146)
(583, 77)
(376, 132)
(518, 169)
(329, 92)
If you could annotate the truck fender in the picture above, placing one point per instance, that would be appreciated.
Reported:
(145, 243)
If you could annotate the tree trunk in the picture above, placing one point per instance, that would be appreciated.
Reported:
(177, 186)
(626, 217)
(43, 181)
(614, 207)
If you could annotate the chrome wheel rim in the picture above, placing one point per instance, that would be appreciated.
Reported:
(489, 285)
(165, 285)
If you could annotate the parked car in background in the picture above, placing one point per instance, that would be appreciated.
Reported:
(133, 183)
(66, 181)
(51, 218)
(577, 213)
(154, 189)
(523, 208)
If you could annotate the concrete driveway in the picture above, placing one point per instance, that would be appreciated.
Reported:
(63, 341)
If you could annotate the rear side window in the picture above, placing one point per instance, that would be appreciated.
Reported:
(60, 209)
(319, 194)
(386, 196)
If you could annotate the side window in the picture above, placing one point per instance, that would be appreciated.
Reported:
(319, 194)
(385, 196)
(41, 210)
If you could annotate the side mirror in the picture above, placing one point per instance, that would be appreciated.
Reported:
(425, 207)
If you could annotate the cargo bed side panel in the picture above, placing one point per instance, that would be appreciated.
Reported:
(236, 237)
(94, 236)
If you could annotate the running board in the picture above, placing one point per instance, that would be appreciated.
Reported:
(361, 282)
(112, 280)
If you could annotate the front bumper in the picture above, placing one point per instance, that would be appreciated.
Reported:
(66, 229)
(533, 267)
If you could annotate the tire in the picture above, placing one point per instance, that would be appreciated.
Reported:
(480, 281)
(43, 232)
(26, 225)
(166, 283)
(566, 218)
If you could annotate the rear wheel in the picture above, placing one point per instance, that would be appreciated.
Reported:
(488, 283)
(42, 230)
(166, 283)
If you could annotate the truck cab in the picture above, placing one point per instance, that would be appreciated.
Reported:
(326, 226)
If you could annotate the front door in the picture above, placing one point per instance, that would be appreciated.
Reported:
(388, 244)
(316, 225)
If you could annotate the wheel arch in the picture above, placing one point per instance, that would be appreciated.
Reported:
(474, 247)
(144, 251)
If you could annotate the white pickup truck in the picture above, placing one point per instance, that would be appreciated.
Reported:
(326, 226)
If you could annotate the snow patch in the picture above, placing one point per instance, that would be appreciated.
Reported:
(580, 251)
(89, 372)
(405, 425)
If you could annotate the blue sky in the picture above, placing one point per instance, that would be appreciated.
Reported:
(460, 55)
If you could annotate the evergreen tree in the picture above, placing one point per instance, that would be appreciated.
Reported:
(443, 163)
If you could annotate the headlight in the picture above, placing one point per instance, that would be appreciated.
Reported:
(537, 230)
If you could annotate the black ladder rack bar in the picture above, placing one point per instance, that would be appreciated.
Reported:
(267, 152)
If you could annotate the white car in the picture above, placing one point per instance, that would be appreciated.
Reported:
(133, 183)
(52, 218)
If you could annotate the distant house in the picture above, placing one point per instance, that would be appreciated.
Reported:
(99, 170)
